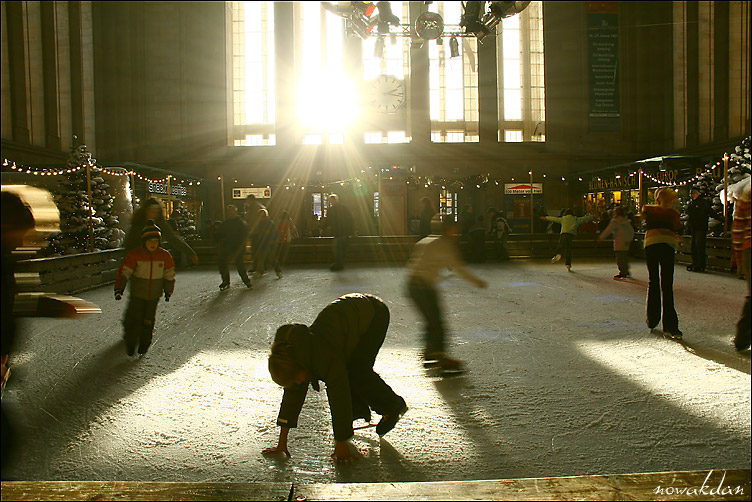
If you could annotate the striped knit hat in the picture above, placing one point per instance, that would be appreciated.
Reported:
(150, 231)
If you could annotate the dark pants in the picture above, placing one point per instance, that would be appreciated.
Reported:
(280, 255)
(138, 323)
(426, 298)
(660, 262)
(339, 249)
(502, 253)
(236, 257)
(697, 244)
(367, 389)
(564, 247)
(622, 261)
(744, 326)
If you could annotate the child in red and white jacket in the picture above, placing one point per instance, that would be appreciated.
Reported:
(150, 270)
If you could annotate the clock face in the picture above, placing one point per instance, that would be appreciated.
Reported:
(387, 94)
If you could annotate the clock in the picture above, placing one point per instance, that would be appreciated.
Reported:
(387, 93)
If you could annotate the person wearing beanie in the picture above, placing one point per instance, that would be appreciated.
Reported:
(150, 270)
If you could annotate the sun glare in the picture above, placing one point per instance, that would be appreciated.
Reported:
(329, 104)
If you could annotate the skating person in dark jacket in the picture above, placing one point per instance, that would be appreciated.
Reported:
(233, 236)
(340, 349)
(699, 211)
(339, 219)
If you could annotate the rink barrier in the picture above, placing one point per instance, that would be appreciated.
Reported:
(718, 250)
(69, 274)
(397, 249)
(718, 484)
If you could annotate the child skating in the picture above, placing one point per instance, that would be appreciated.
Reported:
(569, 225)
(339, 349)
(430, 255)
(623, 232)
(150, 271)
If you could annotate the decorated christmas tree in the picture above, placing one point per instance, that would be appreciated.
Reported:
(185, 222)
(713, 188)
(78, 213)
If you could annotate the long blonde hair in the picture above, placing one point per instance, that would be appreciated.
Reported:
(665, 196)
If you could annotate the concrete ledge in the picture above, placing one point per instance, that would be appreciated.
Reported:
(731, 484)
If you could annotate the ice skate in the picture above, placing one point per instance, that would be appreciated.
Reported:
(224, 286)
(674, 334)
(389, 420)
(556, 258)
(450, 367)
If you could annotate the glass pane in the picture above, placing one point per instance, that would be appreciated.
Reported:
(512, 77)
(512, 104)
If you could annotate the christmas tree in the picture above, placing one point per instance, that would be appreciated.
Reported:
(185, 222)
(78, 213)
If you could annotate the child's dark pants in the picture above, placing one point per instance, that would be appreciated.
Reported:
(138, 323)
(366, 386)
(565, 247)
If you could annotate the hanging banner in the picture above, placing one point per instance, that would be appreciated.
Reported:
(522, 188)
(160, 187)
(259, 193)
(603, 65)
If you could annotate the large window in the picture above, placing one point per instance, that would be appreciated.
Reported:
(453, 83)
(386, 55)
(253, 96)
(519, 45)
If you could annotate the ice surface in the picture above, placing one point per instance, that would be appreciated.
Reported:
(564, 379)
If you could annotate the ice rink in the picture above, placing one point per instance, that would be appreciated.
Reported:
(564, 379)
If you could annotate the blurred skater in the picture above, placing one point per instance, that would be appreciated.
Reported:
(569, 225)
(623, 232)
(266, 242)
(661, 226)
(740, 236)
(427, 210)
(430, 255)
(233, 235)
(339, 219)
(17, 220)
(286, 232)
(339, 349)
(150, 271)
(151, 210)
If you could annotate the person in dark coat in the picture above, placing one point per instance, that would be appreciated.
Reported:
(699, 211)
(232, 238)
(427, 210)
(151, 210)
(339, 349)
(340, 222)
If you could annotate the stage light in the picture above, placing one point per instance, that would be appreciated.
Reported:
(454, 47)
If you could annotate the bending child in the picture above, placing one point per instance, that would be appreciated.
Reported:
(339, 349)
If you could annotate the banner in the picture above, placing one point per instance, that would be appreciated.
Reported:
(522, 188)
(603, 64)
(259, 193)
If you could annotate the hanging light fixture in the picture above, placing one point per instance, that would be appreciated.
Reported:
(454, 47)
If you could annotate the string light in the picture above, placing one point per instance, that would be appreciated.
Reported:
(121, 171)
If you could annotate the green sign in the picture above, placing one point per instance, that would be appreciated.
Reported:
(603, 60)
